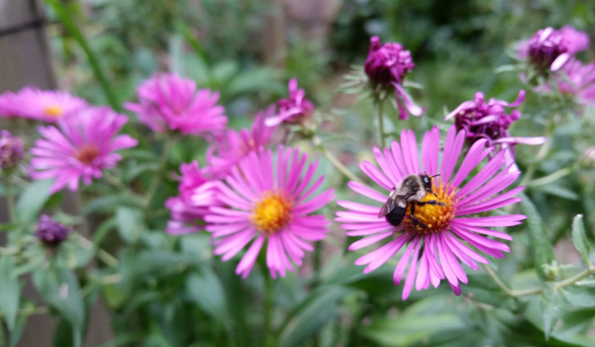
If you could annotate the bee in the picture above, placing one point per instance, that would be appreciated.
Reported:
(409, 192)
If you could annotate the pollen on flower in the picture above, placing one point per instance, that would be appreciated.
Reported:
(271, 213)
(87, 154)
(435, 217)
(53, 111)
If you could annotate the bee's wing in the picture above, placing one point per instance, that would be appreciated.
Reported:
(389, 205)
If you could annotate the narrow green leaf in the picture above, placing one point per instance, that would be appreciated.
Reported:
(309, 318)
(130, 223)
(60, 290)
(8, 226)
(551, 307)
(207, 291)
(9, 292)
(579, 296)
(543, 252)
(579, 237)
(32, 199)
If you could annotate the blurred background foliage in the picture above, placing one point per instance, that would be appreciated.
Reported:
(173, 292)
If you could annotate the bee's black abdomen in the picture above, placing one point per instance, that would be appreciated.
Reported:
(395, 217)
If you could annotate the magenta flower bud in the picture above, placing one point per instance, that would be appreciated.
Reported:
(387, 65)
(551, 49)
(294, 109)
(489, 121)
(11, 150)
(51, 232)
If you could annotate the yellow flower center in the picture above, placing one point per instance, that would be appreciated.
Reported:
(53, 111)
(87, 153)
(435, 217)
(271, 213)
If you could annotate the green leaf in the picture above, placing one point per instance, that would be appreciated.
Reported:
(551, 307)
(60, 290)
(8, 226)
(109, 202)
(543, 252)
(579, 296)
(579, 237)
(309, 317)
(130, 223)
(9, 292)
(207, 291)
(32, 200)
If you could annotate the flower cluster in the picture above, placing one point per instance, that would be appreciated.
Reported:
(45, 105)
(433, 236)
(168, 101)
(551, 49)
(488, 121)
(294, 109)
(386, 66)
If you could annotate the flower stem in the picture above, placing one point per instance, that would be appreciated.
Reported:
(550, 178)
(335, 161)
(378, 105)
(162, 162)
(536, 290)
(12, 214)
(268, 307)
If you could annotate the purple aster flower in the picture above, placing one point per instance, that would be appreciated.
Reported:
(80, 147)
(387, 65)
(46, 105)
(11, 150)
(489, 121)
(168, 101)
(448, 235)
(197, 194)
(550, 48)
(51, 232)
(578, 80)
(295, 109)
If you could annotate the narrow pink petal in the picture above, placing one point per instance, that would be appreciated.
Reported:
(388, 252)
(354, 206)
(404, 261)
(494, 221)
(485, 204)
(398, 159)
(475, 155)
(368, 192)
(484, 231)
(484, 175)
(390, 173)
(452, 150)
(249, 258)
(369, 241)
(376, 175)
(409, 146)
(410, 279)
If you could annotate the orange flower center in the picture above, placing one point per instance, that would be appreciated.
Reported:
(53, 111)
(435, 217)
(271, 213)
(87, 153)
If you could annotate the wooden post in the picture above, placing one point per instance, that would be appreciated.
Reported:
(25, 59)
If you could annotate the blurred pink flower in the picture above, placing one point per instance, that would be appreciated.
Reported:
(489, 121)
(388, 64)
(197, 194)
(294, 109)
(269, 199)
(233, 146)
(444, 229)
(551, 49)
(80, 147)
(168, 101)
(46, 105)
(578, 80)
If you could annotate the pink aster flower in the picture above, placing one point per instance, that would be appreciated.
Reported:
(80, 147)
(46, 105)
(233, 146)
(168, 101)
(550, 48)
(578, 80)
(448, 234)
(294, 109)
(269, 199)
(197, 194)
(489, 121)
(387, 65)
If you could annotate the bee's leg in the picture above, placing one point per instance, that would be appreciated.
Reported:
(431, 202)
(414, 220)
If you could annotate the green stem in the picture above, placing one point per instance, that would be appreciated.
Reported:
(378, 105)
(536, 290)
(70, 25)
(543, 151)
(335, 161)
(268, 307)
(550, 178)
(316, 264)
(12, 212)
(162, 162)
